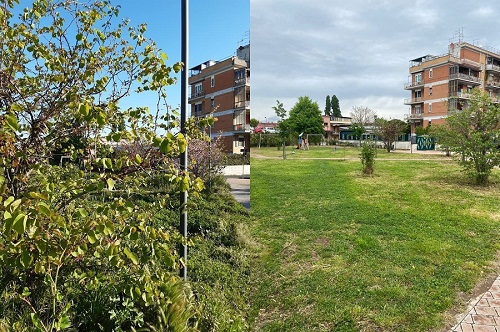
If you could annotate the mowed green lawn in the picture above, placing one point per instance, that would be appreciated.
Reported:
(338, 251)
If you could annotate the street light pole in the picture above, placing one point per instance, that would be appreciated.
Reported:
(184, 155)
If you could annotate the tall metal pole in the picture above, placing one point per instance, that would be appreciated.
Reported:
(184, 105)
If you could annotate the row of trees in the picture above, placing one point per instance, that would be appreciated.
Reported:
(332, 106)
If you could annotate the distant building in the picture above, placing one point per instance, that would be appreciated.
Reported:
(333, 126)
(222, 88)
(442, 83)
(266, 127)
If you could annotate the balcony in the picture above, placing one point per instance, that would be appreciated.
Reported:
(492, 85)
(466, 63)
(416, 100)
(414, 85)
(492, 67)
(244, 127)
(242, 104)
(417, 115)
(242, 81)
(196, 95)
(465, 78)
(460, 94)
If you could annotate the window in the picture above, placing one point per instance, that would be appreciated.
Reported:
(212, 81)
(430, 91)
(198, 89)
(430, 73)
(418, 78)
(430, 108)
(212, 102)
(198, 109)
(417, 109)
(418, 94)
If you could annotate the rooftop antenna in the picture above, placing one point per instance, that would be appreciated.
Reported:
(245, 40)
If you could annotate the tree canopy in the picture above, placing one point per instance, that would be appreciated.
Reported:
(328, 106)
(335, 105)
(389, 130)
(473, 134)
(305, 117)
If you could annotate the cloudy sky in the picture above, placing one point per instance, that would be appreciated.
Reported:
(358, 50)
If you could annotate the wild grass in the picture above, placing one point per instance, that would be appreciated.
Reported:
(341, 152)
(339, 251)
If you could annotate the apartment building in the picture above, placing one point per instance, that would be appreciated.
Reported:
(222, 89)
(442, 83)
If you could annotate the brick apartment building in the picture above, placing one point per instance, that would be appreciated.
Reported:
(222, 88)
(442, 83)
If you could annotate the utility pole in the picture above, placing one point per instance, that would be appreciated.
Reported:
(184, 155)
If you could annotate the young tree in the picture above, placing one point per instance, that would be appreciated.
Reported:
(335, 107)
(473, 134)
(328, 106)
(284, 128)
(305, 117)
(389, 130)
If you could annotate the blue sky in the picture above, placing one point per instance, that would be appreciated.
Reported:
(217, 28)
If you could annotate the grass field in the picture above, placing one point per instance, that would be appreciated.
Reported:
(337, 251)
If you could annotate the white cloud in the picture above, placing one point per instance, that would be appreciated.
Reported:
(358, 50)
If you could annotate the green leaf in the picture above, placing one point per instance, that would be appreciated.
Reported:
(44, 209)
(8, 201)
(19, 224)
(91, 237)
(185, 184)
(111, 183)
(138, 159)
(133, 257)
(79, 37)
(64, 322)
(84, 109)
(181, 140)
(26, 258)
(12, 122)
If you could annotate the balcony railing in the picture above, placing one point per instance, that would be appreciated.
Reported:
(493, 67)
(197, 94)
(242, 127)
(242, 104)
(464, 77)
(416, 115)
(459, 94)
(492, 84)
(242, 81)
(412, 85)
(415, 100)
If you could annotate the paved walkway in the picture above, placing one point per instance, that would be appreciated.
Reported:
(238, 178)
(483, 313)
(240, 188)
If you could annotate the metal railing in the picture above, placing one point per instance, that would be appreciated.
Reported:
(411, 85)
(241, 127)
(242, 104)
(465, 77)
(413, 100)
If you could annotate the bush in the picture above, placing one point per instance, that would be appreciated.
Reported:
(368, 157)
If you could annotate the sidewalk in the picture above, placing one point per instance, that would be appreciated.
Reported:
(483, 313)
(238, 178)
